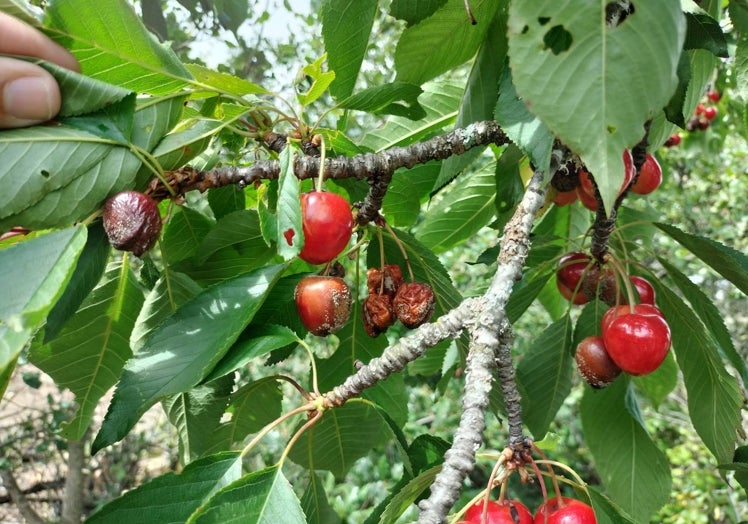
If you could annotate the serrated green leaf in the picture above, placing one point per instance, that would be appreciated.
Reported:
(315, 505)
(398, 98)
(462, 212)
(181, 351)
(710, 316)
(346, 25)
(171, 498)
(320, 81)
(596, 100)
(414, 12)
(607, 511)
(88, 272)
(342, 436)
(34, 273)
(731, 264)
(184, 234)
(634, 471)
(91, 350)
(112, 45)
(252, 407)
(172, 290)
(481, 93)
(544, 376)
(704, 32)
(714, 397)
(254, 343)
(289, 235)
(224, 82)
(427, 49)
(409, 494)
(407, 191)
(239, 230)
(195, 413)
(261, 497)
(525, 130)
(657, 385)
(440, 100)
(225, 200)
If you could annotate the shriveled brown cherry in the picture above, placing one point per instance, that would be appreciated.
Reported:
(594, 363)
(414, 303)
(132, 221)
(323, 303)
(378, 314)
(385, 280)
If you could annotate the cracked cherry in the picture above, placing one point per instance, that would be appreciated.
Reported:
(499, 513)
(650, 177)
(323, 303)
(565, 510)
(637, 341)
(327, 223)
(594, 363)
(572, 267)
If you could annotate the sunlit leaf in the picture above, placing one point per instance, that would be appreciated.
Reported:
(290, 235)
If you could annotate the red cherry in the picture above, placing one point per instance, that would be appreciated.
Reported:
(714, 95)
(323, 303)
(564, 198)
(565, 511)
(587, 200)
(499, 513)
(673, 140)
(710, 112)
(585, 182)
(637, 342)
(645, 290)
(629, 171)
(572, 267)
(703, 123)
(594, 363)
(650, 177)
(327, 223)
(699, 109)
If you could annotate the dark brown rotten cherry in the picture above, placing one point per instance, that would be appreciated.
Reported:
(594, 363)
(414, 303)
(378, 314)
(132, 222)
(386, 280)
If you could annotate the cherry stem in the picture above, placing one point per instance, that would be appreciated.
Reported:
(580, 482)
(264, 431)
(554, 481)
(618, 267)
(309, 423)
(491, 479)
(322, 154)
(313, 365)
(299, 388)
(401, 247)
(541, 481)
(381, 259)
(502, 493)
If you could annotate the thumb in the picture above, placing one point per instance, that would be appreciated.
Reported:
(28, 94)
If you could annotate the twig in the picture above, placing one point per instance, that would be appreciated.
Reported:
(24, 507)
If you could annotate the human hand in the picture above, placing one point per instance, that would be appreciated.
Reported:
(28, 93)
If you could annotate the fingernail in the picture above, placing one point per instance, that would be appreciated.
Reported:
(30, 98)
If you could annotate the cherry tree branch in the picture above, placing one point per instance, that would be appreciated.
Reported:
(17, 496)
(377, 168)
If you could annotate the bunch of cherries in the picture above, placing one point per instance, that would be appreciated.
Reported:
(702, 118)
(558, 510)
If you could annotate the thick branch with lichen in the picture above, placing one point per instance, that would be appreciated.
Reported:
(377, 168)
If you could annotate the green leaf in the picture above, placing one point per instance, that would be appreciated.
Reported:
(731, 264)
(20, 10)
(525, 130)
(440, 100)
(704, 32)
(225, 200)
(320, 81)
(407, 191)
(254, 343)
(262, 497)
(91, 350)
(342, 436)
(315, 505)
(710, 316)
(584, 79)
(428, 49)
(607, 511)
(182, 351)
(172, 290)
(409, 494)
(481, 93)
(34, 275)
(184, 234)
(634, 471)
(289, 235)
(414, 12)
(544, 376)
(463, 211)
(398, 98)
(88, 272)
(346, 25)
(223, 82)
(252, 407)
(714, 397)
(656, 386)
(113, 45)
(239, 231)
(172, 498)
(195, 413)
